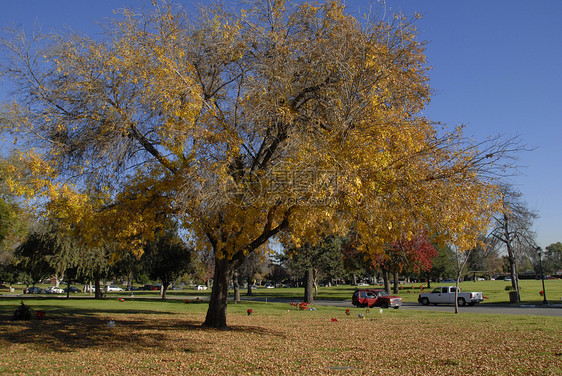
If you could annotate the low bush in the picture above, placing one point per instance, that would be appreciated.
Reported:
(23, 312)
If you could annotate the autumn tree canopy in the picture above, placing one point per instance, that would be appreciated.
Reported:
(290, 120)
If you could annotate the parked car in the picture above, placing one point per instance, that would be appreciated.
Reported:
(113, 288)
(33, 290)
(72, 289)
(269, 286)
(449, 280)
(446, 295)
(375, 298)
(151, 287)
(54, 290)
(200, 287)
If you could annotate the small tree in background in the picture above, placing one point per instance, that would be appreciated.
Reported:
(512, 229)
(324, 260)
(167, 258)
(552, 259)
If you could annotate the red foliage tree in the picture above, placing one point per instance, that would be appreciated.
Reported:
(415, 255)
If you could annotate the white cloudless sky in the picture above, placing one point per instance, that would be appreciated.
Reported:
(496, 67)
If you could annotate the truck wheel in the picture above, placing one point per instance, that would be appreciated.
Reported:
(462, 302)
(425, 301)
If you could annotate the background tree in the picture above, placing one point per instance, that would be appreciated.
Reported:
(254, 267)
(313, 263)
(355, 263)
(33, 255)
(15, 222)
(442, 265)
(167, 258)
(552, 259)
(129, 267)
(289, 120)
(203, 266)
(414, 256)
(512, 229)
(484, 260)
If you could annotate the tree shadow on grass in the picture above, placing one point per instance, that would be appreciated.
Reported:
(136, 332)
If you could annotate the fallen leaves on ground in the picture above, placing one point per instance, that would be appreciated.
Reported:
(292, 343)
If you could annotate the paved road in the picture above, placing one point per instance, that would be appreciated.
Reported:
(508, 309)
(536, 310)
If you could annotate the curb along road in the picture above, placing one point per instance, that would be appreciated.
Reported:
(519, 309)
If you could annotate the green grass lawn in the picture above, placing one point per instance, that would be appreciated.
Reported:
(493, 291)
(154, 337)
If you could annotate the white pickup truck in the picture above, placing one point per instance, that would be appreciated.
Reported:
(446, 295)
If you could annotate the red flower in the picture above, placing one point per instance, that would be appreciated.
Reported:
(250, 311)
(347, 311)
(121, 299)
(541, 293)
(40, 315)
(187, 300)
(334, 320)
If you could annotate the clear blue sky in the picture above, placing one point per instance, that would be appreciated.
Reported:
(497, 67)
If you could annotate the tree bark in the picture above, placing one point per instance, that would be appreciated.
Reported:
(396, 282)
(513, 271)
(309, 286)
(216, 313)
(249, 282)
(164, 289)
(385, 279)
(97, 284)
(236, 284)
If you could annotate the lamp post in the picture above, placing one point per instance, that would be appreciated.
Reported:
(539, 252)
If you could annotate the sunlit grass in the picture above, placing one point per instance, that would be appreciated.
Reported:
(494, 292)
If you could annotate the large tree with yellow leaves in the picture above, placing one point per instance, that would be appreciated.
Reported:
(279, 120)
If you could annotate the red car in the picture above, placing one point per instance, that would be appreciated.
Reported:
(375, 298)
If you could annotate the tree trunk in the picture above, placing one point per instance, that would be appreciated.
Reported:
(309, 286)
(396, 282)
(68, 289)
(428, 281)
(216, 313)
(457, 294)
(513, 271)
(236, 284)
(354, 279)
(249, 282)
(164, 289)
(385, 279)
(97, 284)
